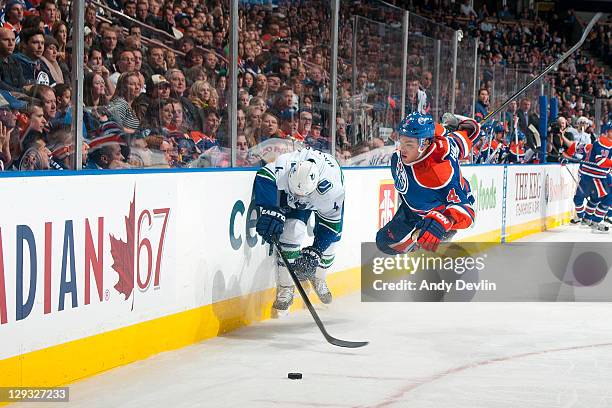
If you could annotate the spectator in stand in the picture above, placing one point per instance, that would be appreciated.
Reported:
(194, 58)
(48, 12)
(526, 118)
(305, 122)
(416, 99)
(241, 119)
(179, 87)
(160, 88)
(46, 95)
(95, 94)
(105, 153)
(289, 124)
(155, 62)
(49, 58)
(124, 61)
(210, 65)
(91, 19)
(120, 106)
(34, 69)
(13, 15)
(269, 128)
(32, 153)
(60, 33)
(109, 47)
(11, 74)
(315, 139)
(211, 128)
(200, 94)
(170, 59)
(482, 105)
(342, 141)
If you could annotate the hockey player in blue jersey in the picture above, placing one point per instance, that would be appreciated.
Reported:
(435, 198)
(592, 199)
(288, 190)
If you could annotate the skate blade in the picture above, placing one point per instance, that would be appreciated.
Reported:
(279, 314)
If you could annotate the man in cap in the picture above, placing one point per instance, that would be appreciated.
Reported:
(106, 150)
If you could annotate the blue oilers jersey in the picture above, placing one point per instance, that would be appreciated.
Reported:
(434, 182)
(599, 159)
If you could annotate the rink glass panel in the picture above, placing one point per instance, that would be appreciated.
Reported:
(369, 100)
(464, 88)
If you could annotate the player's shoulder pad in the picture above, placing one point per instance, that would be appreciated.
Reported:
(604, 142)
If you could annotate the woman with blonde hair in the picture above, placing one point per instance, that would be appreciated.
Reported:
(258, 102)
(200, 94)
(260, 87)
(213, 101)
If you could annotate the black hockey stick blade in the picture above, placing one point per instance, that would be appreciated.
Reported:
(330, 339)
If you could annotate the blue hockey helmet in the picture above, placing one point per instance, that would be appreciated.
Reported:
(520, 134)
(606, 127)
(499, 128)
(487, 129)
(417, 126)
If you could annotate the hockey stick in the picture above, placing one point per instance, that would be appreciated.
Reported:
(562, 58)
(574, 178)
(313, 312)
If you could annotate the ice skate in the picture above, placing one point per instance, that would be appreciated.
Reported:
(320, 287)
(600, 227)
(585, 223)
(284, 297)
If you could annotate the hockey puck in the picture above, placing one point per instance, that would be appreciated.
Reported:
(295, 376)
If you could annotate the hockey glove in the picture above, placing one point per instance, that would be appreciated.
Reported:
(433, 229)
(270, 224)
(450, 121)
(305, 266)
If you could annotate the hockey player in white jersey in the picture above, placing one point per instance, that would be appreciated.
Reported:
(288, 191)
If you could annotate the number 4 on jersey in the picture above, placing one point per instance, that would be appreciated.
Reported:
(452, 197)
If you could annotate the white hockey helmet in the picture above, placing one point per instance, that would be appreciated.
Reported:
(303, 178)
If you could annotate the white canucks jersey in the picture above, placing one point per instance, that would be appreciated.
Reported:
(327, 201)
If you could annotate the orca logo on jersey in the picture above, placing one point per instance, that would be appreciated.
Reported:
(401, 178)
(324, 186)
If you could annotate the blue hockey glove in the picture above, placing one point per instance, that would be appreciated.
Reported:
(270, 224)
(433, 229)
(306, 264)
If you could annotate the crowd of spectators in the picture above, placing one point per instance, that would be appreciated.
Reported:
(156, 87)
(521, 44)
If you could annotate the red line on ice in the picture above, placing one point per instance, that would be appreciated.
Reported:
(428, 380)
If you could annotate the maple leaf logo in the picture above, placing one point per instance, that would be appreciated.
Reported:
(123, 253)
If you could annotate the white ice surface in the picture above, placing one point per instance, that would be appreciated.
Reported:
(434, 355)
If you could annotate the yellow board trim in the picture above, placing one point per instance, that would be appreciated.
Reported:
(519, 231)
(68, 362)
(78, 359)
